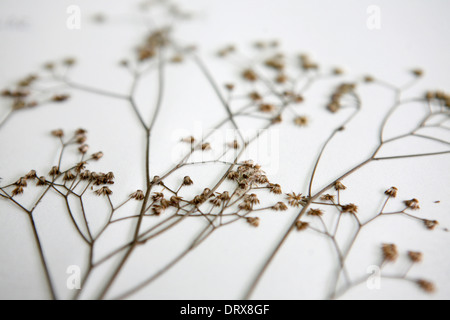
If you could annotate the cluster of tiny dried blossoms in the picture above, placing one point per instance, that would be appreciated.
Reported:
(440, 97)
(75, 175)
(31, 92)
(275, 81)
(231, 205)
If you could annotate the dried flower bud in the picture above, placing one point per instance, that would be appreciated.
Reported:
(138, 195)
(315, 213)
(216, 202)
(69, 176)
(275, 188)
(17, 191)
(80, 166)
(417, 72)
(206, 146)
(104, 191)
(22, 182)
(415, 257)
(58, 133)
(60, 97)
(350, 208)
(187, 181)
(31, 175)
(369, 79)
(54, 171)
(280, 206)
(431, 224)
(157, 210)
(246, 206)
(390, 252)
(250, 75)
(97, 156)
(327, 197)
(229, 86)
(233, 175)
(392, 192)
(83, 149)
(86, 175)
(255, 222)
(41, 181)
(267, 108)
(427, 286)
(339, 186)
(252, 198)
(296, 200)
(412, 204)
(301, 121)
(175, 201)
(301, 226)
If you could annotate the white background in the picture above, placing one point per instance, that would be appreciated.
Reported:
(413, 34)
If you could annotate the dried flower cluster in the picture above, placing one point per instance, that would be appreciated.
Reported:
(267, 88)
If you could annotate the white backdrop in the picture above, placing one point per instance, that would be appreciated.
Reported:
(413, 34)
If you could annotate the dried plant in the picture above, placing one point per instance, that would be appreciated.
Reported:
(268, 89)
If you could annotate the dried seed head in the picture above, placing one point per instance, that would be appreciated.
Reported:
(415, 257)
(157, 210)
(249, 75)
(31, 175)
(427, 286)
(296, 200)
(187, 181)
(301, 226)
(229, 86)
(233, 175)
(338, 71)
(189, 140)
(417, 72)
(369, 79)
(339, 186)
(86, 175)
(60, 97)
(255, 96)
(431, 224)
(54, 171)
(275, 188)
(280, 206)
(392, 192)
(17, 191)
(138, 195)
(206, 146)
(58, 133)
(104, 191)
(252, 198)
(41, 181)
(225, 196)
(22, 182)
(97, 156)
(246, 206)
(69, 62)
(175, 201)
(267, 108)
(235, 145)
(255, 222)
(350, 208)
(165, 203)
(412, 204)
(301, 121)
(315, 213)
(390, 252)
(278, 119)
(80, 166)
(83, 149)
(327, 197)
(217, 202)
(69, 176)
(81, 138)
